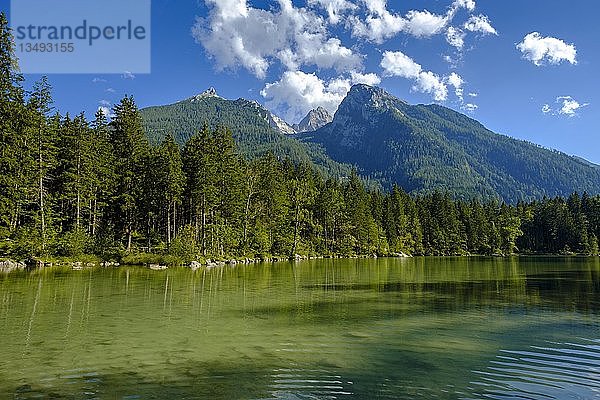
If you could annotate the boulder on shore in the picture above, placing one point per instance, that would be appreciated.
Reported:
(9, 266)
(195, 265)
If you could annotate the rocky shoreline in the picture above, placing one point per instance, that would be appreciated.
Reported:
(7, 266)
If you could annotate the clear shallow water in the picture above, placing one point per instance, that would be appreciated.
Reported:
(346, 329)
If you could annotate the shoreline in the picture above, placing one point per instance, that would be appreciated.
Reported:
(7, 265)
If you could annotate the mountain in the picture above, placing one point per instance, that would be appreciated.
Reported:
(429, 147)
(255, 129)
(314, 120)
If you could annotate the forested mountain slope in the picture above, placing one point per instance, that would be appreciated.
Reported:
(256, 131)
(424, 148)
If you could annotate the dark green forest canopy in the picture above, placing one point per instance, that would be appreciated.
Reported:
(71, 187)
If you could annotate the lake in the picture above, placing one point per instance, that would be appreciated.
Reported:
(422, 328)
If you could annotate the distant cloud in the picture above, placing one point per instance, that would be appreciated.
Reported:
(297, 92)
(480, 24)
(566, 106)
(399, 64)
(381, 24)
(98, 80)
(456, 37)
(111, 90)
(327, 38)
(473, 94)
(470, 107)
(335, 8)
(457, 82)
(569, 106)
(128, 75)
(237, 35)
(106, 111)
(105, 103)
(539, 49)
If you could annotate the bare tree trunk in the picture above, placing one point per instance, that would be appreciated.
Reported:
(169, 224)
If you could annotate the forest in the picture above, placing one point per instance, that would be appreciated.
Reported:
(73, 187)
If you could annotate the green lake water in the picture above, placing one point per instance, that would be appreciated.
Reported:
(423, 328)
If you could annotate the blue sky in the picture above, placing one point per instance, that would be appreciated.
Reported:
(527, 69)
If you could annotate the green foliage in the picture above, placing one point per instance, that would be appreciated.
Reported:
(73, 244)
(185, 246)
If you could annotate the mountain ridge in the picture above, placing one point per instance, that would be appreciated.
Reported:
(431, 147)
(422, 148)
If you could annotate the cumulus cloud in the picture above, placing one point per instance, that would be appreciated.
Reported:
(297, 92)
(539, 49)
(565, 105)
(424, 23)
(381, 24)
(128, 75)
(455, 37)
(396, 63)
(106, 111)
(470, 107)
(237, 35)
(481, 24)
(569, 106)
(457, 82)
(335, 8)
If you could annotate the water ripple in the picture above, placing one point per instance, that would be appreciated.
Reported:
(560, 371)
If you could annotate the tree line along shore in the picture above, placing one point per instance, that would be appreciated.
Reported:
(97, 192)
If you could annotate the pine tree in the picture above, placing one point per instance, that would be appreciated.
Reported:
(130, 148)
(13, 141)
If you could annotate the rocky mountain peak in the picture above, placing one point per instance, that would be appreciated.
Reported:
(210, 92)
(314, 120)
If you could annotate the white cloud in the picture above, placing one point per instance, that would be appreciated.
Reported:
(396, 63)
(428, 82)
(98, 80)
(381, 24)
(457, 82)
(424, 23)
(335, 8)
(538, 49)
(111, 90)
(399, 64)
(566, 105)
(481, 24)
(105, 103)
(473, 94)
(470, 107)
(106, 111)
(469, 5)
(455, 37)
(237, 35)
(297, 92)
(128, 75)
(569, 106)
